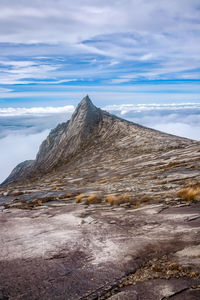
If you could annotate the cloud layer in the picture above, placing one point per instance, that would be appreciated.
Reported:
(182, 119)
(22, 111)
(16, 148)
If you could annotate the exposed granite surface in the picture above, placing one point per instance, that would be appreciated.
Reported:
(145, 248)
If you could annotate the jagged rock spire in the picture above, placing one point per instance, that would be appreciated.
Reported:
(64, 141)
(86, 101)
(86, 111)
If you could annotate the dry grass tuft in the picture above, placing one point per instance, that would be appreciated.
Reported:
(103, 180)
(94, 199)
(136, 206)
(79, 198)
(67, 195)
(123, 198)
(38, 203)
(111, 199)
(117, 200)
(146, 199)
(190, 194)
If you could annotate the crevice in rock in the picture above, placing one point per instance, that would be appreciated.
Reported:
(157, 268)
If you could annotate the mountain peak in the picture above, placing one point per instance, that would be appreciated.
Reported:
(91, 128)
(85, 111)
(64, 141)
(86, 100)
(86, 105)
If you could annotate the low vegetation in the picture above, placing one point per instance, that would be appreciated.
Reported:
(94, 199)
(79, 198)
(190, 194)
(124, 199)
(91, 199)
(127, 199)
(111, 199)
(103, 180)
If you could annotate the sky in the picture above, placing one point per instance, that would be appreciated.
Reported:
(137, 58)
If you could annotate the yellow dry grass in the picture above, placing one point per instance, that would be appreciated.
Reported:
(117, 200)
(79, 198)
(67, 195)
(103, 180)
(190, 194)
(94, 199)
(111, 199)
(123, 198)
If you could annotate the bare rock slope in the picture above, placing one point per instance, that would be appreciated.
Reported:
(96, 134)
(108, 210)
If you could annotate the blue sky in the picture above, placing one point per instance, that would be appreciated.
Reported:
(139, 59)
(128, 51)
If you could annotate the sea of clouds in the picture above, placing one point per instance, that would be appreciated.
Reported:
(23, 129)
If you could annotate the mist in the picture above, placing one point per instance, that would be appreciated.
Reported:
(16, 148)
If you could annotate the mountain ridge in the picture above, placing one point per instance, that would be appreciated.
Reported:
(88, 123)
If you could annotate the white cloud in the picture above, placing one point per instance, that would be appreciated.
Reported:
(147, 56)
(21, 72)
(181, 119)
(120, 80)
(180, 129)
(18, 64)
(130, 93)
(5, 112)
(17, 148)
(125, 108)
(140, 30)
(4, 90)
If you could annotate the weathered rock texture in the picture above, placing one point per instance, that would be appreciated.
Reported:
(89, 131)
(63, 142)
(60, 239)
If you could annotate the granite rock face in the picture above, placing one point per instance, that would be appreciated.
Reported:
(99, 214)
(62, 143)
(90, 126)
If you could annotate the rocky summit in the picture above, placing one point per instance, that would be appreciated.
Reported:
(108, 209)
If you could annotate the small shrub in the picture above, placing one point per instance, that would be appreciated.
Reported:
(67, 195)
(174, 266)
(47, 198)
(79, 198)
(124, 198)
(117, 200)
(94, 199)
(38, 203)
(190, 194)
(111, 199)
(146, 199)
